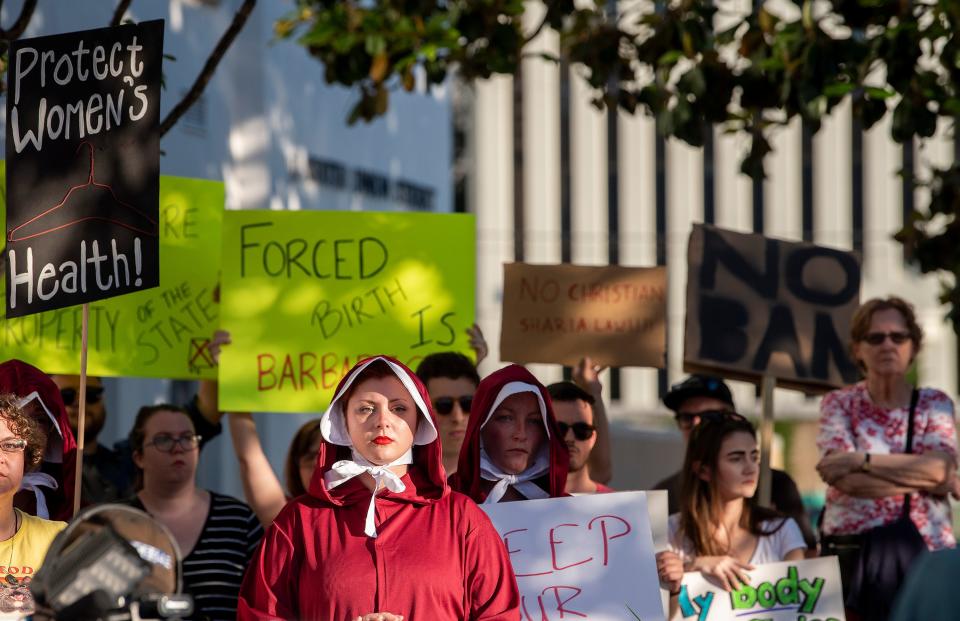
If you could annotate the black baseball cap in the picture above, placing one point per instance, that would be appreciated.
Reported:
(698, 386)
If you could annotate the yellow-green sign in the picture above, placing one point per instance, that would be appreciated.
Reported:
(307, 294)
(161, 332)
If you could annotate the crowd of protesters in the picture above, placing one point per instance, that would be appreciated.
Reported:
(377, 518)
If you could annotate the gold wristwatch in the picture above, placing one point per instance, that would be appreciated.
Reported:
(865, 466)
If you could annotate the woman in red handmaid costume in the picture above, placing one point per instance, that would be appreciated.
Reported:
(380, 536)
(512, 449)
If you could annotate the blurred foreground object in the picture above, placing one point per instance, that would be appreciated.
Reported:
(112, 562)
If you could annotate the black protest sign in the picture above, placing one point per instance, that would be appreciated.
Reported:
(758, 306)
(83, 166)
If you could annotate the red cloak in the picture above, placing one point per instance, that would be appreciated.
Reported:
(21, 379)
(436, 556)
(467, 478)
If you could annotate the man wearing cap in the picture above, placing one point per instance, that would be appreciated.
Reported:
(704, 393)
(573, 408)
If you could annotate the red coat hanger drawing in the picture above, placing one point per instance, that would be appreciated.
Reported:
(141, 223)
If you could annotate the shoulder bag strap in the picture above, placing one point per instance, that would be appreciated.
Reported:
(914, 398)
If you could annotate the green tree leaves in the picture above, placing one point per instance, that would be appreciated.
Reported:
(669, 59)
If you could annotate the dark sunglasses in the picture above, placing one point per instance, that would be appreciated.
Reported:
(444, 405)
(94, 394)
(877, 338)
(720, 416)
(581, 430)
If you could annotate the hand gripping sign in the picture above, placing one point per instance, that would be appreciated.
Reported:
(807, 590)
(582, 557)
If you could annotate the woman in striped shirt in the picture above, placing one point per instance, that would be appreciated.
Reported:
(217, 534)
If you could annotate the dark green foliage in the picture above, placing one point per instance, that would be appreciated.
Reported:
(755, 75)
(932, 237)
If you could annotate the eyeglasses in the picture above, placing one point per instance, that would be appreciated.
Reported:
(94, 394)
(877, 338)
(444, 405)
(165, 443)
(581, 431)
(13, 445)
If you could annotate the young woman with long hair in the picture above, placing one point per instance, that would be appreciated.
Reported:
(720, 531)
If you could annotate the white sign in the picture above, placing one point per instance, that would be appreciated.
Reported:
(582, 557)
(791, 591)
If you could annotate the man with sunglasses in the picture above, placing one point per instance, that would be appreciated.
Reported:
(573, 409)
(700, 396)
(108, 474)
(451, 379)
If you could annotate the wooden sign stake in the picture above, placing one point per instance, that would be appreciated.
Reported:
(766, 438)
(81, 418)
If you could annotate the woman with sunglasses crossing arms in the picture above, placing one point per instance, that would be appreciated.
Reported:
(217, 534)
(889, 454)
(720, 531)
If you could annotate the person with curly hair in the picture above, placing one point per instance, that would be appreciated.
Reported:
(24, 538)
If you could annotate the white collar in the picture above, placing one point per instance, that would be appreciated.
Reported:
(346, 469)
(521, 482)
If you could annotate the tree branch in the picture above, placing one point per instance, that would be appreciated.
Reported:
(118, 14)
(539, 29)
(547, 8)
(243, 13)
(26, 14)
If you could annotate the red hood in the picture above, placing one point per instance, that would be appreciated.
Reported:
(21, 379)
(429, 481)
(467, 478)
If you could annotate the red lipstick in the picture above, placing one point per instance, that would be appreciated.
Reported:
(382, 440)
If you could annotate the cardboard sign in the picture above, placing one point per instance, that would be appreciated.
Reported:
(561, 313)
(308, 294)
(83, 166)
(758, 306)
(582, 557)
(807, 590)
(162, 332)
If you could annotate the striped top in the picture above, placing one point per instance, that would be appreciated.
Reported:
(213, 571)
